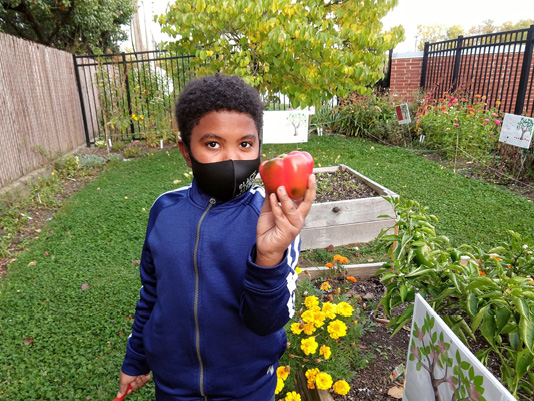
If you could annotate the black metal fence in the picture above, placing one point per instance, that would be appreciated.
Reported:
(498, 66)
(130, 95)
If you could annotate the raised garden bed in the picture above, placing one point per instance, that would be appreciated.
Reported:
(346, 221)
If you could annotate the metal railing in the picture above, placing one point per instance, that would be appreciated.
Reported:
(498, 66)
(125, 96)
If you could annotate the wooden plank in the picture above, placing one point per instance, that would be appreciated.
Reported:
(361, 271)
(337, 235)
(348, 212)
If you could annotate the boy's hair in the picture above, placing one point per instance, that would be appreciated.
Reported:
(216, 93)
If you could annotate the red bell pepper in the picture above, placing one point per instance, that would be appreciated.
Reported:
(291, 171)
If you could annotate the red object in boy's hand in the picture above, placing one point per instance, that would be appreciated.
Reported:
(124, 395)
(291, 171)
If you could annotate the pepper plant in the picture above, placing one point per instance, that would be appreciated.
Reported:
(486, 297)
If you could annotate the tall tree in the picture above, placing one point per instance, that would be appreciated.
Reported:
(77, 26)
(309, 50)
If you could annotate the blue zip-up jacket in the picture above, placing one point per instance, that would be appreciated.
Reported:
(209, 321)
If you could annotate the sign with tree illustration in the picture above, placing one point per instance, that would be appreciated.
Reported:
(440, 367)
(289, 126)
(517, 130)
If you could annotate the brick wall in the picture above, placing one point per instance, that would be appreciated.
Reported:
(494, 75)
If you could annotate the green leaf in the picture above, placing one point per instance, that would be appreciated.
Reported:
(526, 330)
(479, 317)
(524, 362)
(488, 328)
(472, 303)
(522, 307)
(502, 316)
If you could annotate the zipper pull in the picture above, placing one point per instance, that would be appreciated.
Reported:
(212, 201)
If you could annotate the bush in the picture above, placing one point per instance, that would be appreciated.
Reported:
(456, 120)
(373, 117)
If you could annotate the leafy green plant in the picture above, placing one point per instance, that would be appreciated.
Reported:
(132, 149)
(479, 294)
(67, 167)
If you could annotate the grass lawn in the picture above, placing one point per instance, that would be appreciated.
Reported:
(61, 342)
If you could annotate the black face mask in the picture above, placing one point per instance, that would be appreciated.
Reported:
(227, 179)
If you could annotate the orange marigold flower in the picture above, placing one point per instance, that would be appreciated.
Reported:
(329, 265)
(481, 273)
(283, 372)
(351, 278)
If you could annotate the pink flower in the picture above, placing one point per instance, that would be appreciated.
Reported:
(486, 119)
(494, 114)
(415, 352)
(442, 347)
(456, 125)
(497, 122)
(420, 335)
(475, 395)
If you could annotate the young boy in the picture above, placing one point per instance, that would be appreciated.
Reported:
(218, 261)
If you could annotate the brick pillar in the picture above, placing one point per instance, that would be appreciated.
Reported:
(406, 75)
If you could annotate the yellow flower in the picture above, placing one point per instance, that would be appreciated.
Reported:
(345, 309)
(325, 351)
(309, 345)
(341, 387)
(283, 372)
(279, 385)
(311, 302)
(298, 270)
(329, 309)
(292, 396)
(141, 117)
(337, 329)
(307, 316)
(134, 116)
(308, 328)
(323, 381)
(325, 286)
(318, 318)
(297, 328)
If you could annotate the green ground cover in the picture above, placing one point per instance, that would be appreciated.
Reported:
(59, 341)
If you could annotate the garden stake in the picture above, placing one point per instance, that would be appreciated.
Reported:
(124, 395)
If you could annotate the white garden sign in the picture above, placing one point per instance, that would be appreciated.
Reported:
(440, 367)
(290, 126)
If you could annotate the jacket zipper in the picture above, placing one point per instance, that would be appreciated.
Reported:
(197, 328)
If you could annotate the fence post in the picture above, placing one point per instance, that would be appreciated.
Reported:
(128, 97)
(457, 63)
(525, 69)
(423, 68)
(82, 103)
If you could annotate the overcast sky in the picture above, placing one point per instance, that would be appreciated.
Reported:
(409, 14)
(466, 13)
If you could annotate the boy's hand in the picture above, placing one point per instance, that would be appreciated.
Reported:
(280, 221)
(135, 381)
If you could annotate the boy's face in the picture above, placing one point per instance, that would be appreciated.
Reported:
(223, 135)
